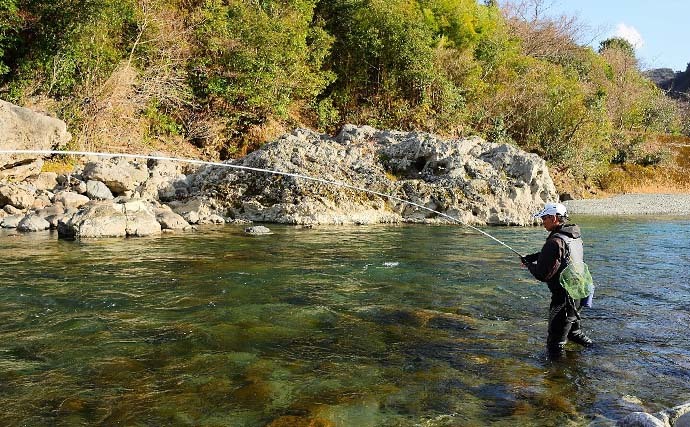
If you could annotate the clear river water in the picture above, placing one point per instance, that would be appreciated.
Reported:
(406, 325)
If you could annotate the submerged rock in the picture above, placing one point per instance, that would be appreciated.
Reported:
(259, 229)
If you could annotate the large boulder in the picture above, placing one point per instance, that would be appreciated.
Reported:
(119, 174)
(33, 222)
(96, 190)
(141, 219)
(20, 196)
(96, 219)
(169, 220)
(24, 129)
(369, 176)
(70, 199)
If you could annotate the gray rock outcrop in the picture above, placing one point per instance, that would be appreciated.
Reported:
(475, 181)
(24, 129)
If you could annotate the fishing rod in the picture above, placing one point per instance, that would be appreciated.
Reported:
(253, 169)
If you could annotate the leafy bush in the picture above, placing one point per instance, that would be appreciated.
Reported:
(255, 60)
(68, 45)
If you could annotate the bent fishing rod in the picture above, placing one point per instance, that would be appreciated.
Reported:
(253, 169)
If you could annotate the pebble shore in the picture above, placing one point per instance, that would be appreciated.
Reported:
(632, 204)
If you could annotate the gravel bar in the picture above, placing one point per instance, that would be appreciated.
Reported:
(633, 204)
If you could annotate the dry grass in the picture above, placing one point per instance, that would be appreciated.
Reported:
(669, 177)
(650, 180)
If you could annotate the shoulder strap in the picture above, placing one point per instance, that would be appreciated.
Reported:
(566, 240)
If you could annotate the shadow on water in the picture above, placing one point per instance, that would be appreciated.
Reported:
(336, 326)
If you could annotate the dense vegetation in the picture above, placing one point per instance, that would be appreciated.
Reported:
(226, 75)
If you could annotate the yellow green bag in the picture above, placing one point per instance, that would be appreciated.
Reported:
(576, 280)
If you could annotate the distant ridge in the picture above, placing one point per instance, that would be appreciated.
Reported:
(675, 83)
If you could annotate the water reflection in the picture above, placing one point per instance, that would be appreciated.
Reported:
(334, 326)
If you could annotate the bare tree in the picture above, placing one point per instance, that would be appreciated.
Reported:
(543, 34)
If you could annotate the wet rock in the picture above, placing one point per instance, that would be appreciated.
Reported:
(33, 223)
(169, 220)
(258, 229)
(300, 421)
(640, 419)
(97, 219)
(676, 416)
(683, 421)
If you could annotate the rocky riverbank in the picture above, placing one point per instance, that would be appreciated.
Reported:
(361, 176)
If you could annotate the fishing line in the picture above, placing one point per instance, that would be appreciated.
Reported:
(249, 168)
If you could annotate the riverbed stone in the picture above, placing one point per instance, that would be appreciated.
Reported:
(96, 219)
(70, 199)
(96, 190)
(33, 222)
(79, 186)
(45, 181)
(683, 421)
(676, 416)
(169, 220)
(257, 229)
(41, 202)
(119, 174)
(640, 419)
(212, 219)
(11, 221)
(142, 223)
(194, 210)
(12, 210)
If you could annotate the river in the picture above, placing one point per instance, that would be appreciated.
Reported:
(406, 325)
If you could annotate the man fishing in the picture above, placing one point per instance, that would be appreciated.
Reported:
(563, 245)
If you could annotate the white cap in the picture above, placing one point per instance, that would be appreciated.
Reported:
(552, 209)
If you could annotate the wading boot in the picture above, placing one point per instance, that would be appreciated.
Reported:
(579, 337)
(556, 352)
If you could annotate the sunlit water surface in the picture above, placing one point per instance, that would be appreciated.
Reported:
(336, 326)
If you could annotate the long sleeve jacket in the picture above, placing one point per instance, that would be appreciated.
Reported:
(547, 264)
